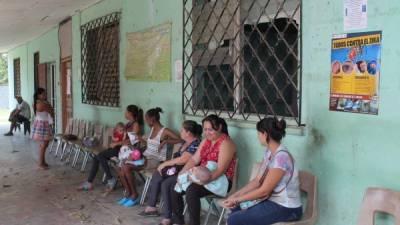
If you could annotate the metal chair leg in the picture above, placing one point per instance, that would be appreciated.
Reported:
(208, 214)
(71, 150)
(51, 145)
(185, 209)
(76, 157)
(60, 143)
(221, 216)
(85, 159)
(146, 187)
(66, 145)
(161, 204)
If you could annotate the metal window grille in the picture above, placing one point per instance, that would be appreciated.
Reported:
(17, 77)
(100, 61)
(241, 58)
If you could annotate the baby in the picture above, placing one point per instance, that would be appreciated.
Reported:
(129, 155)
(119, 132)
(201, 175)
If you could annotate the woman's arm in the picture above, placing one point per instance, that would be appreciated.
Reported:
(194, 160)
(253, 184)
(182, 160)
(271, 181)
(169, 137)
(225, 157)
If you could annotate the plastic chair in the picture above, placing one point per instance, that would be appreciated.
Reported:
(58, 137)
(147, 173)
(379, 200)
(78, 146)
(74, 131)
(308, 184)
(106, 135)
(73, 144)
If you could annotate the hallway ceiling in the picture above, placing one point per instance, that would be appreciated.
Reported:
(24, 20)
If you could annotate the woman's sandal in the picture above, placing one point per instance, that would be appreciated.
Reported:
(86, 186)
(149, 213)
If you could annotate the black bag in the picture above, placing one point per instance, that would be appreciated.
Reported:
(170, 171)
(70, 137)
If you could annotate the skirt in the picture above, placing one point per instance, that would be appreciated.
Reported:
(41, 131)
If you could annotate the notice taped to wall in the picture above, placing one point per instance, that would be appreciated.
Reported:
(355, 72)
(355, 14)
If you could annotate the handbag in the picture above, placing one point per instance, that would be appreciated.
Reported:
(251, 203)
(170, 171)
(70, 137)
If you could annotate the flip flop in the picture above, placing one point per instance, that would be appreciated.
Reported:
(122, 201)
(149, 213)
(131, 202)
(86, 186)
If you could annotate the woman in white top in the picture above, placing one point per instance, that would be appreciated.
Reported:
(155, 153)
(41, 129)
(274, 195)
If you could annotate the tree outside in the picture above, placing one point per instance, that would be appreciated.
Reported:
(3, 69)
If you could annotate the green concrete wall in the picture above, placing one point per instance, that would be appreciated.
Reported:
(347, 152)
(48, 48)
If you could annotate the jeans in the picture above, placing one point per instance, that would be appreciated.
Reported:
(102, 159)
(167, 186)
(193, 195)
(264, 213)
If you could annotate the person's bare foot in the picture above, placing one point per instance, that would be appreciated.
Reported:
(43, 167)
(165, 222)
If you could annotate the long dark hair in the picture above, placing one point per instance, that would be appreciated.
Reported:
(274, 127)
(38, 92)
(193, 127)
(216, 123)
(136, 112)
(154, 113)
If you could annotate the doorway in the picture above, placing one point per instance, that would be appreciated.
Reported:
(66, 91)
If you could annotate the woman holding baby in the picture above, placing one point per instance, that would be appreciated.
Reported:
(164, 179)
(217, 147)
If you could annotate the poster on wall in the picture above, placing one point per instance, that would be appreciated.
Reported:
(355, 72)
(148, 54)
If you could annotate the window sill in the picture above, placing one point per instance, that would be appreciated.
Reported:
(105, 108)
(251, 124)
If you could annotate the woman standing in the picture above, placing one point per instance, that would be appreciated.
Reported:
(274, 195)
(42, 131)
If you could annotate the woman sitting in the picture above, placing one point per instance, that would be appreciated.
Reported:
(274, 195)
(167, 172)
(135, 117)
(155, 153)
(217, 147)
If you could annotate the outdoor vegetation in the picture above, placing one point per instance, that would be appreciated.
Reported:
(3, 69)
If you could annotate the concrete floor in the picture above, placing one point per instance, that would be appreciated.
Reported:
(36, 197)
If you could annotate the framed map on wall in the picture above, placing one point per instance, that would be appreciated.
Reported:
(148, 54)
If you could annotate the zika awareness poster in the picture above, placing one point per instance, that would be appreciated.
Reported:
(355, 72)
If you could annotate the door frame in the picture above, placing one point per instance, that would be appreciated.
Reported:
(63, 89)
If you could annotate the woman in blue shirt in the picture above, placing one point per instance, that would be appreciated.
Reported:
(190, 133)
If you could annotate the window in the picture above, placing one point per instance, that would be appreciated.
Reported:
(100, 61)
(241, 59)
(17, 77)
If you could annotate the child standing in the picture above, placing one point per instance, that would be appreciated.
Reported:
(41, 129)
